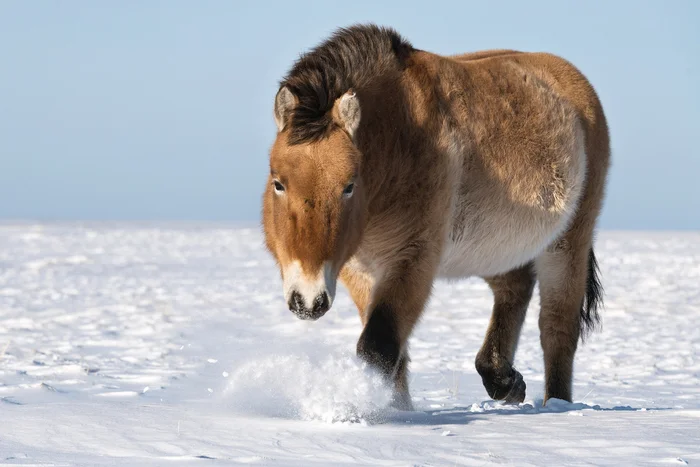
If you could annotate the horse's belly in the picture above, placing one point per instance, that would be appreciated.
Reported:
(500, 243)
(489, 256)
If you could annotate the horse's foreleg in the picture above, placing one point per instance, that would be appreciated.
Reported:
(494, 362)
(359, 284)
(396, 305)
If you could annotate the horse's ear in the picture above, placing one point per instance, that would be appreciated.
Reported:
(284, 103)
(346, 112)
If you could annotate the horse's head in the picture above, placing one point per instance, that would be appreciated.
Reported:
(314, 203)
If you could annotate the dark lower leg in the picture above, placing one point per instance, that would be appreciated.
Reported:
(402, 397)
(494, 362)
(398, 303)
(379, 346)
(559, 335)
(379, 343)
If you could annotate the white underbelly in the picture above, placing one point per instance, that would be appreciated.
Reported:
(481, 253)
(494, 239)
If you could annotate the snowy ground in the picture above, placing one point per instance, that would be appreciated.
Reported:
(171, 345)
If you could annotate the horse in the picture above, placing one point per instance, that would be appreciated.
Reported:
(394, 166)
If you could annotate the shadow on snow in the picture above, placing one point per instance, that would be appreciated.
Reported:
(464, 415)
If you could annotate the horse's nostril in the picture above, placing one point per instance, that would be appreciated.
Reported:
(321, 303)
(295, 302)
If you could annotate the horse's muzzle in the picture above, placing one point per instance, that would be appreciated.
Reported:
(298, 307)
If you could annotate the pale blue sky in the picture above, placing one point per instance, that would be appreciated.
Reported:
(163, 109)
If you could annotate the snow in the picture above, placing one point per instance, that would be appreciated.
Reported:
(128, 344)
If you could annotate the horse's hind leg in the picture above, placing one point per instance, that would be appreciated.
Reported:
(567, 271)
(494, 362)
(569, 292)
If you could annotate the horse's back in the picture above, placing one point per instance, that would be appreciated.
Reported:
(559, 74)
(482, 54)
(561, 78)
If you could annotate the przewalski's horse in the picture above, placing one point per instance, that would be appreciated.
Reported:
(393, 166)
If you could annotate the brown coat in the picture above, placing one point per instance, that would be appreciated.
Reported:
(394, 166)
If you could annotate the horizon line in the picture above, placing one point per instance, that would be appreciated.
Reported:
(245, 223)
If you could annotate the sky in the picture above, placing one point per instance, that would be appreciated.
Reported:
(162, 110)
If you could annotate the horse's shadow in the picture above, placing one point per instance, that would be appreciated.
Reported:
(460, 415)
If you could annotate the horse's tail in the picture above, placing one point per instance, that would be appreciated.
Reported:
(593, 300)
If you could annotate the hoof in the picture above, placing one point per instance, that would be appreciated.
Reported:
(516, 394)
(510, 389)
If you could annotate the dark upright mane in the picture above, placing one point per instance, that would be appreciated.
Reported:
(348, 59)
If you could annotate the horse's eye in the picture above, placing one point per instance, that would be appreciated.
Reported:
(279, 188)
(349, 189)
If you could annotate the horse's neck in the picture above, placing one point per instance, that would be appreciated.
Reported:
(390, 143)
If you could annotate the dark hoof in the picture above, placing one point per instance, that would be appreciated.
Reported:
(510, 389)
(516, 394)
